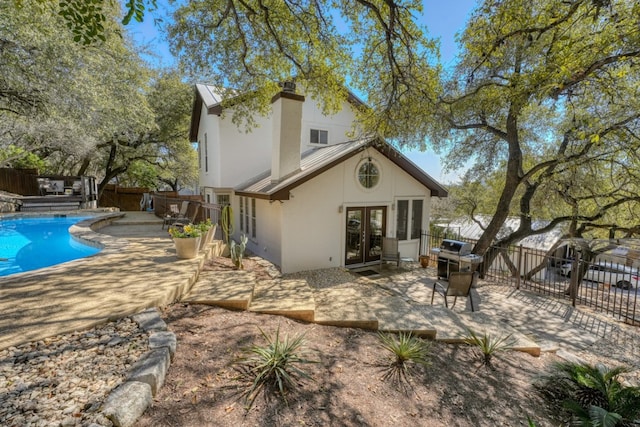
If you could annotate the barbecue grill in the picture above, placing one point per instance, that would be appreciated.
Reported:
(454, 255)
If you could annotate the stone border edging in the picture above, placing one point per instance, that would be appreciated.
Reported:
(127, 402)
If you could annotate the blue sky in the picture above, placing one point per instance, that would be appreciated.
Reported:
(443, 18)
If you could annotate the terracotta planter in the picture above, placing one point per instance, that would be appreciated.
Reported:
(187, 247)
(424, 261)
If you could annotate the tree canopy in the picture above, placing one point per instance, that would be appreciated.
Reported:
(93, 109)
(546, 97)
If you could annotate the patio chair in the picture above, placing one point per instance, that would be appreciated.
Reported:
(390, 250)
(174, 215)
(460, 284)
(184, 219)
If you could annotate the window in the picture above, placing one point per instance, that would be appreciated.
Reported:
(409, 227)
(206, 154)
(241, 213)
(223, 199)
(200, 154)
(319, 136)
(368, 174)
(416, 218)
(253, 218)
(246, 215)
(403, 213)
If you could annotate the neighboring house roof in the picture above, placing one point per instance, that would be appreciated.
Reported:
(211, 97)
(472, 230)
(318, 160)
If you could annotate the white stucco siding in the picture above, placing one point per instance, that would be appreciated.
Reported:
(266, 244)
(209, 126)
(244, 154)
(338, 125)
(311, 224)
(313, 228)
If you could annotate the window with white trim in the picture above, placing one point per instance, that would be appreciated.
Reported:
(241, 213)
(409, 218)
(416, 218)
(206, 154)
(318, 136)
(200, 154)
(253, 218)
(246, 215)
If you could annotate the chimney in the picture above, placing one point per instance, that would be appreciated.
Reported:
(287, 128)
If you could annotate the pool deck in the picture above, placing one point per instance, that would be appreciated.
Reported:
(138, 269)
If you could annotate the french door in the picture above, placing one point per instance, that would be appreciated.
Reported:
(365, 229)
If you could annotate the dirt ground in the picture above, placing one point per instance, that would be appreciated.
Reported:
(347, 388)
(202, 387)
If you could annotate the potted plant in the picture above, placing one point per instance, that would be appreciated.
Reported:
(207, 230)
(424, 261)
(187, 240)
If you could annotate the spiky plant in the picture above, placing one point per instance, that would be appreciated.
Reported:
(592, 395)
(406, 349)
(273, 368)
(487, 346)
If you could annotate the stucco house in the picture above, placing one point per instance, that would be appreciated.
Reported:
(306, 194)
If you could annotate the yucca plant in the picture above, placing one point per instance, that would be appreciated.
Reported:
(592, 395)
(487, 346)
(406, 349)
(273, 368)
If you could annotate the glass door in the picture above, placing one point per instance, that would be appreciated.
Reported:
(365, 229)
(354, 244)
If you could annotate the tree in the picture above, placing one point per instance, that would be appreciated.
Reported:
(251, 47)
(545, 94)
(93, 109)
(174, 162)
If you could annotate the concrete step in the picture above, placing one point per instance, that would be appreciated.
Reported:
(228, 289)
(455, 327)
(344, 307)
(291, 298)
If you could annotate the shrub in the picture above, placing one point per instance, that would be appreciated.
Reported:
(273, 368)
(487, 346)
(589, 395)
(406, 350)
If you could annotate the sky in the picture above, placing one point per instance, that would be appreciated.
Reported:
(443, 18)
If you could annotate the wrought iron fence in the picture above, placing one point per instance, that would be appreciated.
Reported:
(605, 286)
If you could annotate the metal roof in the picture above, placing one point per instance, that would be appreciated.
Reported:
(318, 160)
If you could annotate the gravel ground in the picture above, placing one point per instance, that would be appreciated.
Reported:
(63, 380)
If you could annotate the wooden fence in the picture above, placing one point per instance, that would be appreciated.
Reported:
(124, 198)
(19, 181)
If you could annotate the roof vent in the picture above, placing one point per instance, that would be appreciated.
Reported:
(289, 87)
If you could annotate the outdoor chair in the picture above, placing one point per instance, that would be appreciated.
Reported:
(459, 285)
(174, 215)
(390, 250)
(184, 219)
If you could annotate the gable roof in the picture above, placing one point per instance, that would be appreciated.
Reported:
(317, 160)
(211, 97)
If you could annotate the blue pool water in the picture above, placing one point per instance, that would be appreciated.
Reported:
(31, 243)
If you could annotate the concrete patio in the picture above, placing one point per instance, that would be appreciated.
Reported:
(138, 269)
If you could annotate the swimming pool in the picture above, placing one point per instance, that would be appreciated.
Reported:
(31, 243)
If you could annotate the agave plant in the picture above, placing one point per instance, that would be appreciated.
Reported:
(273, 368)
(488, 346)
(592, 395)
(406, 349)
